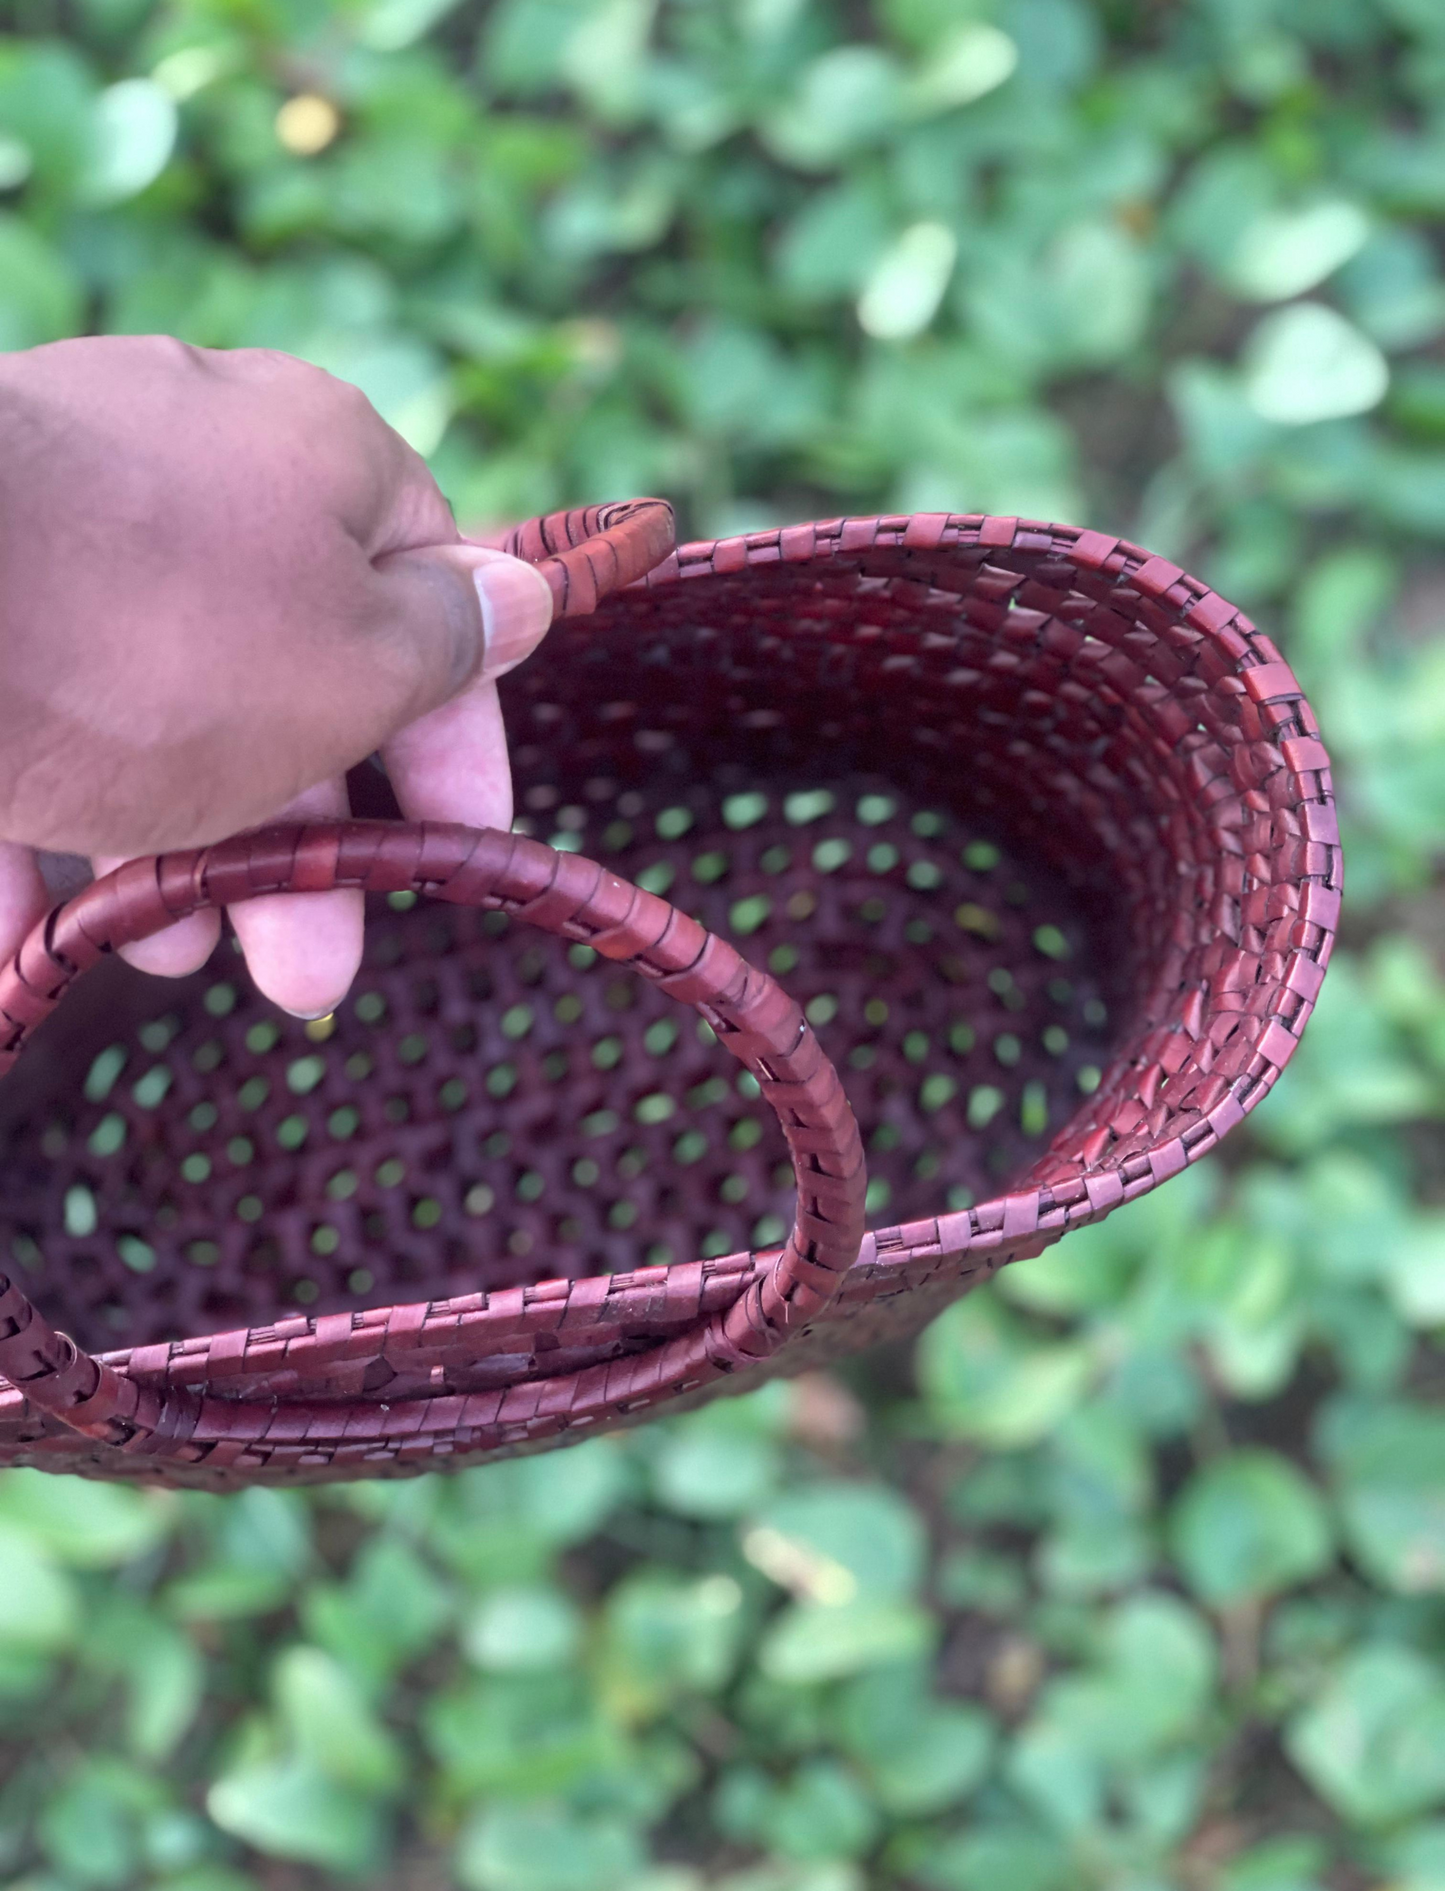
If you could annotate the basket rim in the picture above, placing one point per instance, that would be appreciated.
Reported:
(1264, 675)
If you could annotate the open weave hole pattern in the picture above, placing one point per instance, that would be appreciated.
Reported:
(494, 1108)
(1137, 746)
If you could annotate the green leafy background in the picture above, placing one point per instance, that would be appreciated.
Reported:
(1131, 1574)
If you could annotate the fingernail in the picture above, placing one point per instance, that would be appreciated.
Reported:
(308, 1017)
(516, 611)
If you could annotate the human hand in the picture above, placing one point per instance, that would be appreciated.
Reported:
(223, 581)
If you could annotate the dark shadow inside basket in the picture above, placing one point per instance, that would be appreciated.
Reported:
(795, 758)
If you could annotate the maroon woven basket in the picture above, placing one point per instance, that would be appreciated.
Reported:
(1014, 833)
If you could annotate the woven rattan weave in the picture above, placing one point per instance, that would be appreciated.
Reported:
(1022, 838)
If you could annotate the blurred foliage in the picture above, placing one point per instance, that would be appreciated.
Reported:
(1139, 1581)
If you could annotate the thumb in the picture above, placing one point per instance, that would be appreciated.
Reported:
(468, 611)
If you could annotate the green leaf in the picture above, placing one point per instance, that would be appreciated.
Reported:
(135, 132)
(844, 98)
(1415, 1270)
(1224, 434)
(525, 40)
(40, 298)
(518, 1629)
(922, 1755)
(1373, 1742)
(992, 1584)
(666, 1634)
(1392, 288)
(822, 1812)
(987, 1380)
(391, 1609)
(1415, 1858)
(705, 1471)
(836, 1541)
(613, 209)
(737, 384)
(1094, 1556)
(1015, 460)
(291, 1809)
(1083, 300)
(260, 1542)
(1151, 1683)
(1388, 1463)
(1341, 596)
(606, 61)
(1090, 1272)
(89, 1828)
(46, 104)
(39, 1607)
(560, 1498)
(1283, 253)
(208, 1877)
(388, 25)
(265, 1529)
(83, 1523)
(1307, 363)
(906, 285)
(523, 1736)
(1100, 1481)
(833, 243)
(547, 1848)
(226, 1593)
(1249, 1525)
(818, 1641)
(1231, 187)
(331, 1725)
(986, 1856)
(1292, 1863)
(942, 1757)
(167, 1684)
(972, 61)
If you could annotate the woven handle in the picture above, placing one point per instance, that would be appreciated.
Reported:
(588, 553)
(559, 892)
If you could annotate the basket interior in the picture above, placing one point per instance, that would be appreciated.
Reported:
(493, 1107)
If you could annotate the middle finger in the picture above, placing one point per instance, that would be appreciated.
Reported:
(304, 949)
